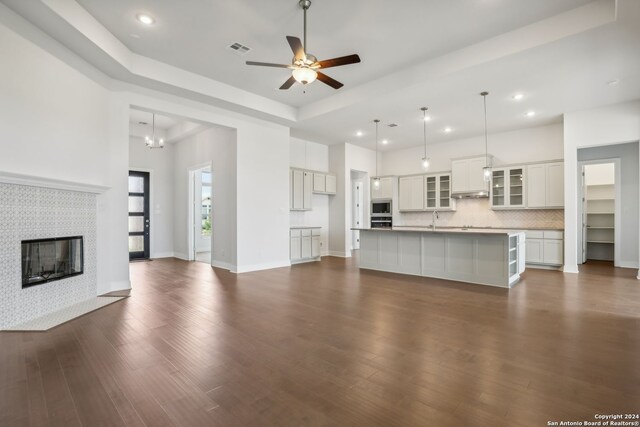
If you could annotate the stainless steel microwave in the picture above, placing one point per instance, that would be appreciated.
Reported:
(381, 208)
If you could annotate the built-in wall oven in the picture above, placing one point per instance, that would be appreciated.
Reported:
(381, 214)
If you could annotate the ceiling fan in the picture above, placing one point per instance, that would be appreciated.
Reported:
(305, 67)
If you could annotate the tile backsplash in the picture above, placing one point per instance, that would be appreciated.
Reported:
(477, 213)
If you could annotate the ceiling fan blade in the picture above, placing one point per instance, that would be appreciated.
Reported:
(288, 83)
(329, 81)
(336, 62)
(267, 64)
(296, 47)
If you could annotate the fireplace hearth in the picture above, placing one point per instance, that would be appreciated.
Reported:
(48, 260)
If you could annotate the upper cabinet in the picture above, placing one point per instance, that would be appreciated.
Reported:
(507, 187)
(545, 185)
(411, 193)
(384, 191)
(324, 183)
(425, 192)
(301, 189)
(304, 183)
(467, 176)
(438, 192)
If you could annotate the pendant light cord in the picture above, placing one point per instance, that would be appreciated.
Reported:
(424, 128)
(376, 121)
(486, 137)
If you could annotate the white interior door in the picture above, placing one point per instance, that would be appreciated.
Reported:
(358, 212)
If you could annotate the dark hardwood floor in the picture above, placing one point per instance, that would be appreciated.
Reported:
(325, 344)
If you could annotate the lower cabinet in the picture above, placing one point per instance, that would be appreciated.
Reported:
(304, 244)
(545, 247)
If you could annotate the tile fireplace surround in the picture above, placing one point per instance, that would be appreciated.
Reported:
(32, 212)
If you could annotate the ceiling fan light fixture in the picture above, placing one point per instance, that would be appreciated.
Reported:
(304, 75)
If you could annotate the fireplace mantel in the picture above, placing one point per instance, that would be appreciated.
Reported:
(39, 181)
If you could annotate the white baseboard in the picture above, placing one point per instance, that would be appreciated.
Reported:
(224, 265)
(122, 285)
(163, 255)
(627, 264)
(339, 254)
(181, 256)
(262, 266)
(570, 268)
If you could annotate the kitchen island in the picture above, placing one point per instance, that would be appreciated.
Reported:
(493, 257)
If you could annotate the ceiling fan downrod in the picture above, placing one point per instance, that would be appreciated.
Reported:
(305, 5)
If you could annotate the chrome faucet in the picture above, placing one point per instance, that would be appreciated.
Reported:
(436, 215)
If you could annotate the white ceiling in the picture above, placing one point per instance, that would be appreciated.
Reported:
(440, 54)
(387, 35)
(162, 122)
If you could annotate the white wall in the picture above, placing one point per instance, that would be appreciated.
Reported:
(520, 146)
(159, 164)
(344, 158)
(218, 147)
(609, 125)
(55, 122)
(311, 155)
(599, 174)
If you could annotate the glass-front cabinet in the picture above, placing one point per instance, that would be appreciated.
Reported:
(438, 192)
(507, 188)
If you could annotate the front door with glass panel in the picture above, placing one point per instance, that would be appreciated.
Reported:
(138, 215)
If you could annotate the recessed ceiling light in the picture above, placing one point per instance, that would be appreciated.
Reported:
(135, 36)
(143, 123)
(530, 113)
(145, 19)
(359, 133)
(448, 130)
(517, 97)
(385, 141)
(613, 82)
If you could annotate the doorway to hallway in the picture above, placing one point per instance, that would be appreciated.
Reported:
(201, 218)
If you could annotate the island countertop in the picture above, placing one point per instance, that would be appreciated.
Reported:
(453, 230)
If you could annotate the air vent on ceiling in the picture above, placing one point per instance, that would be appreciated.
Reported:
(393, 125)
(143, 123)
(239, 49)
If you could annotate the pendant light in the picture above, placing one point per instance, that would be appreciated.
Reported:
(425, 160)
(486, 170)
(153, 142)
(376, 180)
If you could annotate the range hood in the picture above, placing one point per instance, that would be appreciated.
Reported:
(470, 195)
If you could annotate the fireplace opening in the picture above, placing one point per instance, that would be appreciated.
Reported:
(47, 260)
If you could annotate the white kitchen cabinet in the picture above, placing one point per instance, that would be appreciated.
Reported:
(545, 185)
(301, 189)
(552, 254)
(319, 183)
(295, 245)
(384, 191)
(315, 243)
(324, 183)
(544, 247)
(411, 193)
(308, 190)
(468, 176)
(438, 193)
(331, 184)
(507, 188)
(305, 244)
(555, 185)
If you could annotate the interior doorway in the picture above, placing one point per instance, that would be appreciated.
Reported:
(357, 205)
(201, 218)
(600, 211)
(139, 224)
